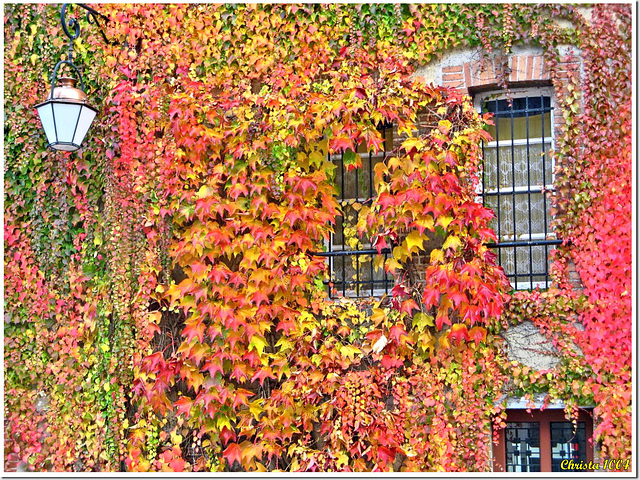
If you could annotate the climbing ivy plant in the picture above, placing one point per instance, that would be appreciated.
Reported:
(164, 310)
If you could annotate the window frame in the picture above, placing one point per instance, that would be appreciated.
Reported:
(546, 239)
(544, 418)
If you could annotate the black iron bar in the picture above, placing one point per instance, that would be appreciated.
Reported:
(386, 280)
(344, 272)
(544, 184)
(507, 193)
(499, 218)
(529, 198)
(370, 197)
(346, 253)
(513, 196)
(524, 243)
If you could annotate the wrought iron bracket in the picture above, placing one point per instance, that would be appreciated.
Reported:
(93, 17)
(71, 29)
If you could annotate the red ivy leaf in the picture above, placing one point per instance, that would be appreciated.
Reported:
(397, 332)
(233, 453)
(184, 406)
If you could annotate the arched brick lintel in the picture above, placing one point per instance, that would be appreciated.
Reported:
(480, 75)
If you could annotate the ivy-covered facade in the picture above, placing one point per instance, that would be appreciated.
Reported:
(333, 237)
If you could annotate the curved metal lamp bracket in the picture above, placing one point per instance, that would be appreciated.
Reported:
(72, 30)
(93, 17)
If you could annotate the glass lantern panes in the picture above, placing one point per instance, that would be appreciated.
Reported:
(518, 170)
(567, 444)
(65, 123)
(351, 259)
(522, 442)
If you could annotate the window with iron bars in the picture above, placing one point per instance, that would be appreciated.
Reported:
(351, 259)
(518, 170)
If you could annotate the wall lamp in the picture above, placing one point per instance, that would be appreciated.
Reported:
(65, 114)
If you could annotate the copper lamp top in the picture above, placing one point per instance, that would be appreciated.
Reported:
(66, 90)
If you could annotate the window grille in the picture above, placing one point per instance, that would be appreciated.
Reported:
(522, 442)
(567, 444)
(517, 171)
(352, 266)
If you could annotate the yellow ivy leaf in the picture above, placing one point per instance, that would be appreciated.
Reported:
(378, 262)
(323, 146)
(427, 341)
(451, 242)
(303, 160)
(425, 222)
(256, 409)
(252, 255)
(393, 163)
(392, 265)
(414, 239)
(175, 438)
(400, 253)
(378, 315)
(444, 221)
(422, 320)
(316, 158)
(258, 343)
(381, 169)
(343, 459)
(223, 421)
(349, 351)
(437, 255)
(205, 191)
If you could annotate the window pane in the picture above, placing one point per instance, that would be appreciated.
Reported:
(532, 216)
(522, 447)
(534, 159)
(538, 126)
(532, 265)
(353, 274)
(517, 170)
(524, 115)
(567, 445)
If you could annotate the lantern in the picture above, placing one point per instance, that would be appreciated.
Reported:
(66, 116)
